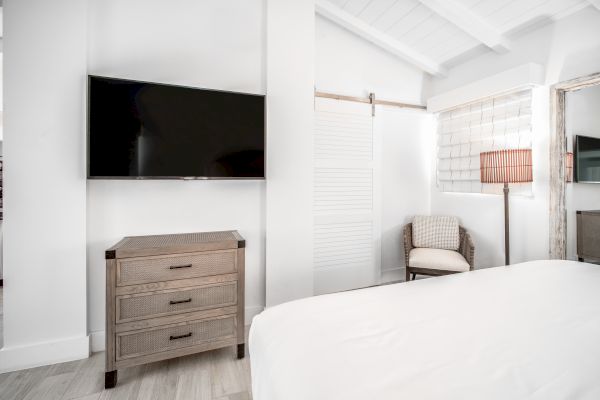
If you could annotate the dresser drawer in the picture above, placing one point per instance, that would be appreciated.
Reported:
(131, 271)
(157, 304)
(171, 337)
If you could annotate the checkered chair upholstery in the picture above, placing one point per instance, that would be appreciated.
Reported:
(435, 232)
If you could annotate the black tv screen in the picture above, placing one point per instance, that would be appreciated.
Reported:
(150, 130)
(587, 159)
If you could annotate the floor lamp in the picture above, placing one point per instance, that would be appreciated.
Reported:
(506, 166)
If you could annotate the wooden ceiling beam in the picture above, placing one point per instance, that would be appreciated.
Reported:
(346, 20)
(469, 22)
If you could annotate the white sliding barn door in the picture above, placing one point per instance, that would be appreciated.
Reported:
(347, 204)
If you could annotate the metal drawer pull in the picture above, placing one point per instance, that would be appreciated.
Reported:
(180, 336)
(180, 301)
(180, 266)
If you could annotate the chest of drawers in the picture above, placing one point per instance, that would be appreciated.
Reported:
(588, 236)
(172, 295)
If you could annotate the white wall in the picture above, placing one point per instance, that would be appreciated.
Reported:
(1, 136)
(213, 44)
(216, 44)
(1, 91)
(582, 118)
(568, 48)
(290, 115)
(405, 181)
(347, 64)
(44, 142)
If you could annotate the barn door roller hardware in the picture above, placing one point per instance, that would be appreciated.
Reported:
(369, 100)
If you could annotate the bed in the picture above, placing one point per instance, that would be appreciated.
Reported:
(528, 331)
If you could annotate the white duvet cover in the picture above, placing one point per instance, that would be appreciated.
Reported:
(528, 331)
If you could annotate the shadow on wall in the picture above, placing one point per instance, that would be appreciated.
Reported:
(486, 250)
(582, 63)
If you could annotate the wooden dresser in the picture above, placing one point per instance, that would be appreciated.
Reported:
(588, 236)
(172, 295)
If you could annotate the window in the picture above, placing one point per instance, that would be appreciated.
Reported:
(502, 122)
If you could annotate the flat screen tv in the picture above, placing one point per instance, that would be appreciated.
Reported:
(141, 130)
(587, 159)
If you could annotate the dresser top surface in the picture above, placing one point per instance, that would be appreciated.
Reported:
(164, 244)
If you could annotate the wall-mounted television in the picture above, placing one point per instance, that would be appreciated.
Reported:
(142, 130)
(587, 159)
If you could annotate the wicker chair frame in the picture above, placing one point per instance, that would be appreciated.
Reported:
(466, 249)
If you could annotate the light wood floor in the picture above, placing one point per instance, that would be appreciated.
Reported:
(213, 375)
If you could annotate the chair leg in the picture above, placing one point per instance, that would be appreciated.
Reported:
(414, 276)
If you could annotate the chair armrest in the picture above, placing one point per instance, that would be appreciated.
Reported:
(467, 249)
(407, 242)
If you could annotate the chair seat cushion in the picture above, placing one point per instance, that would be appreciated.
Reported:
(444, 260)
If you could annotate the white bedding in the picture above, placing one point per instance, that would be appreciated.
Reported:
(528, 331)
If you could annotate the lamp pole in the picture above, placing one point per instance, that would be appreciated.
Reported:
(506, 227)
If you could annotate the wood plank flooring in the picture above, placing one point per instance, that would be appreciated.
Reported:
(214, 375)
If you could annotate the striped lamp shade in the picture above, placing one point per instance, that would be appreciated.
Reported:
(569, 167)
(506, 166)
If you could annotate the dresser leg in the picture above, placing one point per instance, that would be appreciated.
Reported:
(110, 379)
(241, 351)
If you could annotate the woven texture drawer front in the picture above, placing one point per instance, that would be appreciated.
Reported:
(174, 337)
(193, 265)
(150, 305)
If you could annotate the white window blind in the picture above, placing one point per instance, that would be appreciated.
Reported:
(502, 122)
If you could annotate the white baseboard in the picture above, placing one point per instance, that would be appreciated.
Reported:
(98, 343)
(251, 312)
(39, 354)
(393, 275)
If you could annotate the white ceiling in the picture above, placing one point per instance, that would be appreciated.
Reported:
(433, 34)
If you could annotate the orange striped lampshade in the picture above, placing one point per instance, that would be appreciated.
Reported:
(506, 166)
(569, 167)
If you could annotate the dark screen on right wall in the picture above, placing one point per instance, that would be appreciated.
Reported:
(587, 153)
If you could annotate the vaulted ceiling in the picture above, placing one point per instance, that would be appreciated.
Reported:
(433, 34)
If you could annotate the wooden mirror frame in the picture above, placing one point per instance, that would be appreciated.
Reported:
(558, 150)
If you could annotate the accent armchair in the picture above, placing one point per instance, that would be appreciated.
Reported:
(436, 262)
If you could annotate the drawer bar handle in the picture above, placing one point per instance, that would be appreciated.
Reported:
(180, 336)
(180, 266)
(180, 301)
